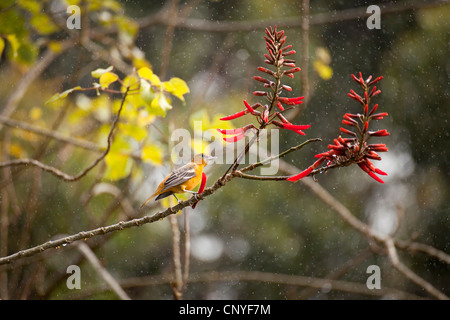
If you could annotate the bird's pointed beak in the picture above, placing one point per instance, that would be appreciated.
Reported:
(208, 158)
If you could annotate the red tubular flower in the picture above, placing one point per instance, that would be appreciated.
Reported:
(343, 130)
(202, 188)
(307, 171)
(249, 108)
(239, 133)
(230, 131)
(300, 175)
(293, 70)
(260, 93)
(276, 56)
(369, 172)
(379, 116)
(296, 127)
(234, 138)
(380, 147)
(379, 133)
(234, 116)
(291, 101)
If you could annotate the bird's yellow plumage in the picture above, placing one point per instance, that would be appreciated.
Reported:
(183, 179)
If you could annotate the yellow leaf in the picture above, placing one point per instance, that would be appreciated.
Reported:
(17, 151)
(146, 92)
(152, 154)
(35, 113)
(55, 46)
(118, 166)
(107, 78)
(130, 81)
(160, 102)
(118, 162)
(2, 46)
(324, 71)
(199, 145)
(178, 88)
(137, 133)
(98, 72)
(145, 73)
(148, 74)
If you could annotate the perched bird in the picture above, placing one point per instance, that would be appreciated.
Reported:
(183, 179)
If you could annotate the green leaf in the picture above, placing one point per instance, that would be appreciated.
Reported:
(62, 95)
(27, 53)
(43, 24)
(107, 78)
(98, 72)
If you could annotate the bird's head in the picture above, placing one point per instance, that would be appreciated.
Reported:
(202, 158)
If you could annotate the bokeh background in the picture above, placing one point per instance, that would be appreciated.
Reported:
(251, 239)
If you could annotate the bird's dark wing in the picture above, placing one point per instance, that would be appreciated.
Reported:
(180, 176)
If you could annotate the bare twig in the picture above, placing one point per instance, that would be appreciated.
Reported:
(168, 39)
(107, 277)
(279, 156)
(421, 247)
(177, 283)
(187, 247)
(365, 229)
(292, 22)
(116, 227)
(392, 253)
(20, 89)
(259, 276)
(50, 134)
(58, 173)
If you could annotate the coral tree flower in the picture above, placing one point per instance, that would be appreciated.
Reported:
(202, 188)
(346, 151)
(267, 114)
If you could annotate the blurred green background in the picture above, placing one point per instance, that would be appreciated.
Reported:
(276, 228)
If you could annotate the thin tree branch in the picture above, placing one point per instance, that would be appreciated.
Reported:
(107, 277)
(177, 283)
(392, 253)
(37, 69)
(118, 226)
(168, 39)
(365, 229)
(270, 159)
(58, 173)
(50, 134)
(421, 247)
(286, 22)
(187, 247)
(260, 276)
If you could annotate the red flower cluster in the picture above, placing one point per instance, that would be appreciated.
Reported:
(346, 151)
(267, 114)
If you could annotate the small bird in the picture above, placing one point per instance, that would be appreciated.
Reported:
(183, 179)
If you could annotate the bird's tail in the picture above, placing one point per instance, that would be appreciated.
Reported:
(151, 197)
